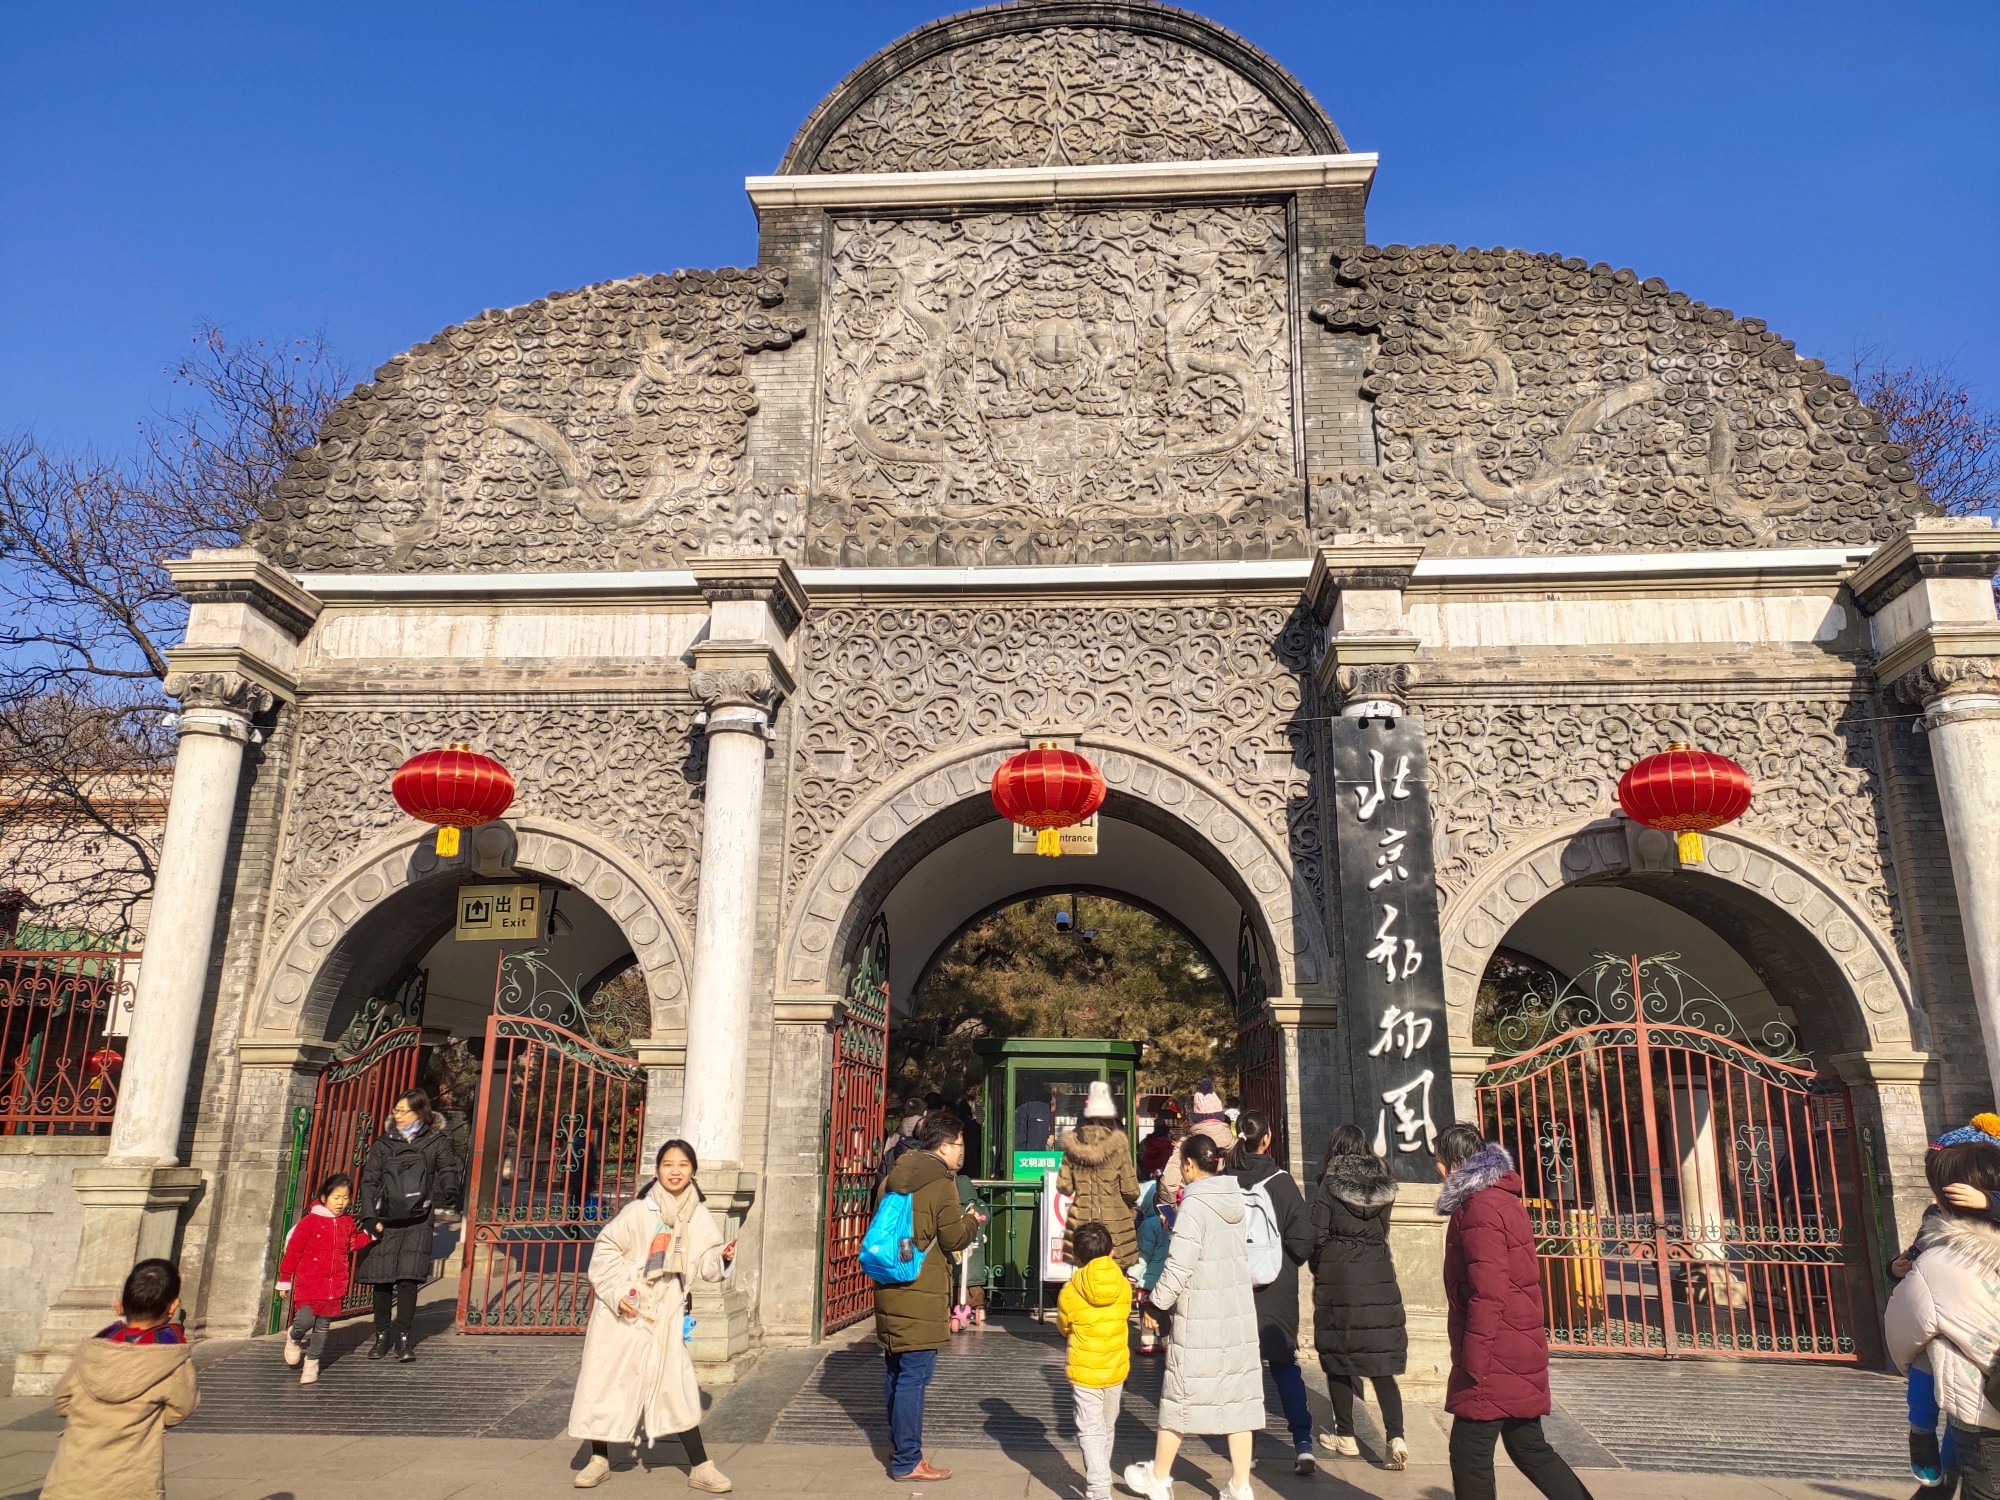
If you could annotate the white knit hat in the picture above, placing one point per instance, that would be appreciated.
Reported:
(1099, 1106)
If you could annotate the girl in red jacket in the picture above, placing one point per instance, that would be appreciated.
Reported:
(317, 1269)
(1499, 1386)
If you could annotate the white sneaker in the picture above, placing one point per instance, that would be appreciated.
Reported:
(594, 1473)
(310, 1374)
(1346, 1447)
(1141, 1480)
(1231, 1492)
(293, 1352)
(705, 1476)
(1304, 1464)
(1399, 1454)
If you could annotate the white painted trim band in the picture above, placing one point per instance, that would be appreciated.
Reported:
(668, 581)
(1156, 179)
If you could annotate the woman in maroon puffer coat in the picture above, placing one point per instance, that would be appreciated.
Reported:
(1499, 1386)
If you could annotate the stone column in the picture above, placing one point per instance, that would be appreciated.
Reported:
(215, 726)
(1961, 699)
(1929, 596)
(245, 622)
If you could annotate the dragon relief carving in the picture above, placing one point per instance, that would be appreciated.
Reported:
(603, 428)
(1224, 686)
(1056, 96)
(1056, 387)
(630, 772)
(1529, 404)
(1502, 773)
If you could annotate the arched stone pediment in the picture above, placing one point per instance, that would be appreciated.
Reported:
(1063, 82)
(604, 428)
(1534, 404)
(368, 916)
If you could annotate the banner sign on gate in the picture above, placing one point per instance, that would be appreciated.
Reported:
(1055, 1217)
(1400, 1039)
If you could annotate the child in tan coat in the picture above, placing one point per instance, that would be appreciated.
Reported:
(122, 1391)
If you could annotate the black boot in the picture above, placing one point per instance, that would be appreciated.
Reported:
(380, 1347)
(405, 1355)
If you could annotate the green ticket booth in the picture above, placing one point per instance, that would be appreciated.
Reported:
(1034, 1091)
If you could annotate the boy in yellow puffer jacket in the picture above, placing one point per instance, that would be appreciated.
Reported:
(1094, 1312)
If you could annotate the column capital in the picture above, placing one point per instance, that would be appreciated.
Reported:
(1948, 667)
(763, 580)
(1359, 563)
(217, 702)
(1884, 1067)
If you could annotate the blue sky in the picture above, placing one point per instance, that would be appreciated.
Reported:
(380, 171)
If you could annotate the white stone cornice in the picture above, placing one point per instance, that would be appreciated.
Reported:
(1161, 179)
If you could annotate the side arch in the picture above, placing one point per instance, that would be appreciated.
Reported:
(1810, 921)
(363, 923)
(935, 801)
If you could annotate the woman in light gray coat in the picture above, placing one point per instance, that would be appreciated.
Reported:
(1215, 1374)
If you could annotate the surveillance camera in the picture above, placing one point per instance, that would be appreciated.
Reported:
(1062, 921)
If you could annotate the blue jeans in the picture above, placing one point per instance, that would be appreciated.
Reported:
(1291, 1386)
(903, 1386)
(1921, 1393)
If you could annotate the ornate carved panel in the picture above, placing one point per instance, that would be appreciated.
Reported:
(1055, 387)
(1062, 95)
(1504, 772)
(1219, 685)
(1531, 404)
(622, 771)
(602, 428)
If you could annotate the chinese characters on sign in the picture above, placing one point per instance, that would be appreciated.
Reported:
(513, 912)
(1388, 901)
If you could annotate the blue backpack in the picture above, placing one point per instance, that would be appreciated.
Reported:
(882, 1248)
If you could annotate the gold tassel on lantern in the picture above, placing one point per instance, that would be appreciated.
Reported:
(1049, 841)
(1689, 846)
(447, 840)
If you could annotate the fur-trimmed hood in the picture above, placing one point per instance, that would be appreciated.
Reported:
(1358, 1182)
(1976, 1241)
(1104, 1144)
(1489, 1167)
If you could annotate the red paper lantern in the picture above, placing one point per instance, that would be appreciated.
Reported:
(1685, 792)
(455, 788)
(1047, 790)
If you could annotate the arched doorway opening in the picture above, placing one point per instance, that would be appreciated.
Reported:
(1691, 1167)
(514, 1003)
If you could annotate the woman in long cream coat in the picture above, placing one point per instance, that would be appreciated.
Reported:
(1215, 1370)
(637, 1374)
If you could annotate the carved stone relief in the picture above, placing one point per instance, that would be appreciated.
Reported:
(1218, 685)
(1502, 774)
(1062, 95)
(602, 428)
(1532, 404)
(1058, 387)
(622, 771)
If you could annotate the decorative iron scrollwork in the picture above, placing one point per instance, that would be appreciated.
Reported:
(399, 1003)
(533, 990)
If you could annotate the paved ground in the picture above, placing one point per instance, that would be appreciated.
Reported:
(484, 1416)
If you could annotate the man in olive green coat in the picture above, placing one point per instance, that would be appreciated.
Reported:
(913, 1320)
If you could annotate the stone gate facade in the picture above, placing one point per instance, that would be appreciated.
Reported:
(1066, 397)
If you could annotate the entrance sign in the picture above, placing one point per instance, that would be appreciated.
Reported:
(1388, 901)
(1078, 838)
(490, 913)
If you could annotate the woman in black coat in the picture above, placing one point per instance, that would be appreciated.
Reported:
(1278, 1301)
(1358, 1324)
(410, 1173)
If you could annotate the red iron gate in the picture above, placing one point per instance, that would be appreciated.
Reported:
(1685, 1183)
(59, 1065)
(1259, 1047)
(557, 1151)
(854, 1131)
(374, 1064)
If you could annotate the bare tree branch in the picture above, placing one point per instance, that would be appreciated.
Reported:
(1952, 439)
(87, 611)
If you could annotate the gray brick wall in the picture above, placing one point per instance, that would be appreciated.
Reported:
(1337, 424)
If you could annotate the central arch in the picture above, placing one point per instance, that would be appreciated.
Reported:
(946, 799)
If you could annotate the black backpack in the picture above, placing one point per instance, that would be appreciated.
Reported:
(405, 1185)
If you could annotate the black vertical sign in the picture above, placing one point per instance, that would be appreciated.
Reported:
(1399, 1038)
